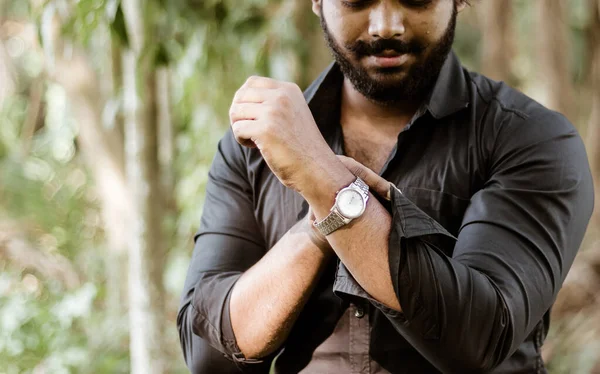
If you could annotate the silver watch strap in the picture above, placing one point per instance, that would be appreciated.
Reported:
(362, 185)
(329, 224)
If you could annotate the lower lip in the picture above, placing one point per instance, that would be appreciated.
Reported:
(389, 62)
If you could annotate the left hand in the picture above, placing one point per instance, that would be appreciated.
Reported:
(275, 117)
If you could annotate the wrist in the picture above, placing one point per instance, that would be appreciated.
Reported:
(313, 237)
(318, 239)
(323, 181)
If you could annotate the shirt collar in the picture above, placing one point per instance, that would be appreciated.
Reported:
(449, 95)
(451, 92)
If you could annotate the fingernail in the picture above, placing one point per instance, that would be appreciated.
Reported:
(388, 196)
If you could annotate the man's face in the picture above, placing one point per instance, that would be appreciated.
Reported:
(390, 50)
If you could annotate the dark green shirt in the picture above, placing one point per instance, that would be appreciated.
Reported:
(496, 194)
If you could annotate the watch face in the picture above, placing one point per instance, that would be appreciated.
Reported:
(350, 203)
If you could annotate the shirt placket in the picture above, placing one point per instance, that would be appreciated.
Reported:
(359, 336)
(418, 114)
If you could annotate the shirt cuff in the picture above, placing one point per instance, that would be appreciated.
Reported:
(235, 353)
(409, 257)
(347, 288)
(409, 225)
(410, 220)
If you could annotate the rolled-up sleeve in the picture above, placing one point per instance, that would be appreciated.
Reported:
(227, 244)
(519, 236)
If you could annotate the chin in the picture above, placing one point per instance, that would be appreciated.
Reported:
(389, 78)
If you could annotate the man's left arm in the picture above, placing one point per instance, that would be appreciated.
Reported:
(518, 239)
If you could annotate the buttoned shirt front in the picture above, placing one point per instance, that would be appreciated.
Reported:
(493, 197)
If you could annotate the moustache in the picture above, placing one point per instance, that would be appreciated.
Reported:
(377, 47)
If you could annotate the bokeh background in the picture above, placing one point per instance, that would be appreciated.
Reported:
(110, 112)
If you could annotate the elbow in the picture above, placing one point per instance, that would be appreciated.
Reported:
(254, 341)
(482, 353)
(481, 359)
(473, 363)
(206, 359)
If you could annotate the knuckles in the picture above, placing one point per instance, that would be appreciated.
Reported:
(295, 89)
(279, 107)
(282, 99)
(253, 79)
(238, 96)
(275, 112)
(234, 113)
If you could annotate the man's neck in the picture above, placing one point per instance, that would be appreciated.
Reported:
(357, 108)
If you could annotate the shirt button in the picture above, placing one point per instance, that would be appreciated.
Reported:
(359, 312)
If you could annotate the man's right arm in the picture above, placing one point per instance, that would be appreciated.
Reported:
(240, 300)
(268, 298)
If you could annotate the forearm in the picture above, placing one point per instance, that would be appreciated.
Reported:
(363, 249)
(267, 299)
(362, 246)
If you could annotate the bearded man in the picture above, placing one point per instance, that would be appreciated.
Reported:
(403, 215)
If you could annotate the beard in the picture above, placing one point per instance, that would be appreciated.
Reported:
(419, 79)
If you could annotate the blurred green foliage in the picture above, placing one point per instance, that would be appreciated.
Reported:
(211, 47)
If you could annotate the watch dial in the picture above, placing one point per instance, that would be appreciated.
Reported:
(350, 203)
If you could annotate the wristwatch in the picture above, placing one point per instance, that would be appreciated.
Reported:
(350, 203)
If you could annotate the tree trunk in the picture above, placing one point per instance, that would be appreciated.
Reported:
(316, 55)
(594, 75)
(34, 114)
(553, 56)
(6, 75)
(497, 47)
(116, 257)
(166, 139)
(102, 152)
(146, 249)
(304, 59)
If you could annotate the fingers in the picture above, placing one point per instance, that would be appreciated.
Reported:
(254, 103)
(244, 132)
(244, 111)
(242, 117)
(372, 179)
(260, 89)
(252, 95)
(262, 82)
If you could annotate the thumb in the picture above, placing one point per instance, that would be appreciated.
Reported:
(372, 179)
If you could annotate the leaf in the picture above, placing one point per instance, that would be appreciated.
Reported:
(221, 13)
(250, 24)
(119, 28)
(162, 57)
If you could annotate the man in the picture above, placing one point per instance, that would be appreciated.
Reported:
(453, 268)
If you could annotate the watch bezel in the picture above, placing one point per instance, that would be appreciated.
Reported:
(338, 207)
